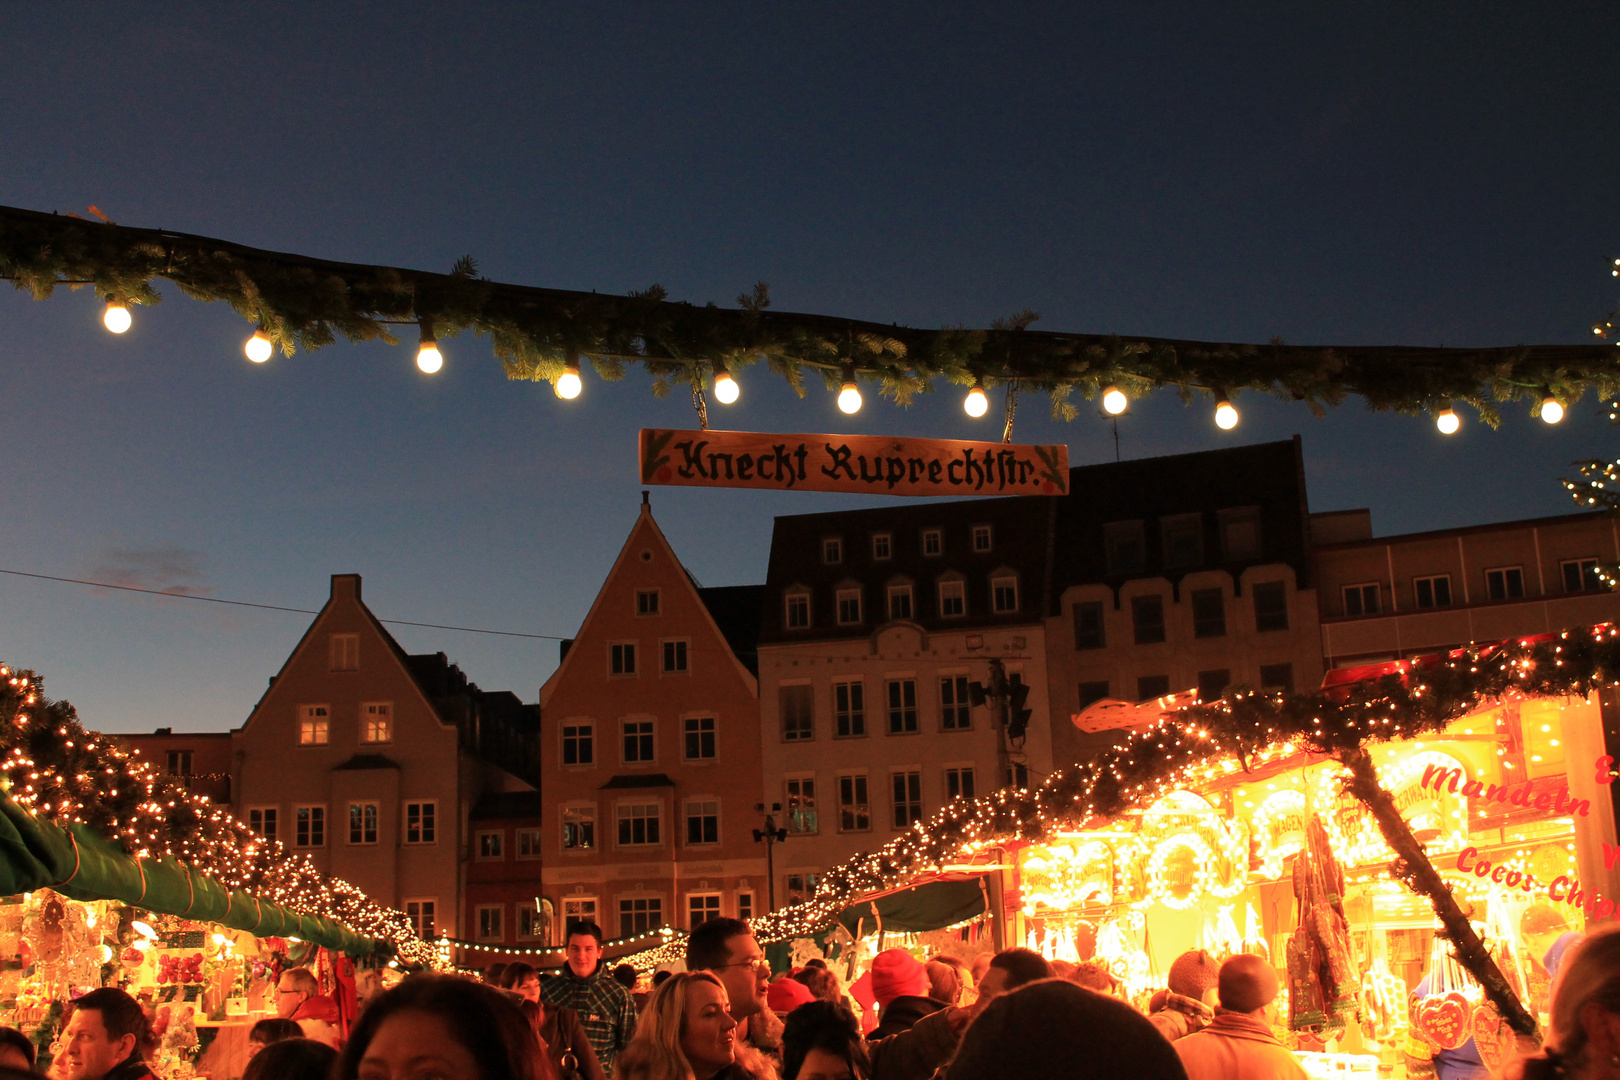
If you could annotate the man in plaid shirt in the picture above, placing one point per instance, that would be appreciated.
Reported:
(586, 985)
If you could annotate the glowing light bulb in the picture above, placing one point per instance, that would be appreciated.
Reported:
(143, 929)
(569, 384)
(1226, 415)
(849, 398)
(975, 404)
(258, 347)
(1114, 401)
(1551, 411)
(726, 389)
(1447, 421)
(116, 318)
(429, 358)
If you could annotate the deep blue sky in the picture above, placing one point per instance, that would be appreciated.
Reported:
(1376, 173)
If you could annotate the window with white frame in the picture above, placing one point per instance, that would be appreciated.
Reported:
(376, 721)
(981, 539)
(489, 922)
(906, 786)
(622, 658)
(801, 886)
(421, 912)
(309, 826)
(1505, 583)
(314, 725)
(849, 708)
(959, 782)
(675, 657)
(639, 824)
(933, 542)
(899, 601)
(578, 828)
(699, 737)
(262, 820)
(1580, 575)
(345, 652)
(491, 845)
(638, 740)
(797, 606)
(955, 707)
(1004, 594)
(646, 601)
(640, 915)
(902, 711)
(798, 712)
(179, 762)
(1271, 604)
(854, 807)
(1361, 599)
(745, 906)
(832, 550)
(1017, 775)
(575, 909)
(882, 545)
(702, 822)
(952, 599)
(700, 908)
(421, 822)
(577, 746)
(801, 805)
(849, 607)
(363, 818)
(528, 843)
(1432, 592)
(530, 922)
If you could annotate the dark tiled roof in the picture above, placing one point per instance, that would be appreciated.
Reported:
(502, 805)
(366, 761)
(637, 780)
(736, 610)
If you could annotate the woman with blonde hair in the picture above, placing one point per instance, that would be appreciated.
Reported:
(685, 1033)
(1583, 1037)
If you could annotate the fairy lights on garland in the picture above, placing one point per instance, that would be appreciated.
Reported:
(56, 769)
(294, 301)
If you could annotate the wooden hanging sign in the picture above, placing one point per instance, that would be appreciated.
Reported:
(868, 464)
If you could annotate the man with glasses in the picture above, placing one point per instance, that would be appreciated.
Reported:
(726, 949)
(299, 999)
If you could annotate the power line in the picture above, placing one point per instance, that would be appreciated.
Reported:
(270, 607)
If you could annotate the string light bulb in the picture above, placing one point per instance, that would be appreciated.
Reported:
(849, 398)
(975, 404)
(428, 356)
(1114, 401)
(116, 318)
(726, 390)
(1226, 415)
(1551, 410)
(1447, 421)
(569, 384)
(258, 347)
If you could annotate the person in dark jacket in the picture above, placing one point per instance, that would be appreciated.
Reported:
(102, 1039)
(901, 986)
(586, 986)
(564, 1038)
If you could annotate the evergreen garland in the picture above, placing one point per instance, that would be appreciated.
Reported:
(303, 302)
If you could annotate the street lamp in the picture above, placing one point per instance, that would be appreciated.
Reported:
(770, 836)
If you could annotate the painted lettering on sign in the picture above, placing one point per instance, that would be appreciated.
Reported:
(851, 463)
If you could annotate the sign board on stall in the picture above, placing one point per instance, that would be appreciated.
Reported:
(866, 464)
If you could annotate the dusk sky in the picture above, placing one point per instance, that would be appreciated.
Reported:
(1423, 174)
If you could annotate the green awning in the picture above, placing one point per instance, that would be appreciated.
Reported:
(78, 863)
(931, 906)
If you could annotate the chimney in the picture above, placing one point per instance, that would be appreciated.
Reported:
(346, 585)
(646, 504)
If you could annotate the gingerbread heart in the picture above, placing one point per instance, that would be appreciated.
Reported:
(1494, 1039)
(1443, 1020)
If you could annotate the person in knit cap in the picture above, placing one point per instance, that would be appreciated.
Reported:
(1186, 1006)
(1054, 1028)
(901, 986)
(785, 995)
(1239, 1042)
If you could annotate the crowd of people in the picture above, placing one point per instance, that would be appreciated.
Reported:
(1008, 1016)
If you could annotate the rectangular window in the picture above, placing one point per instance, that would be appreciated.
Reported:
(376, 721)
(1209, 613)
(1147, 619)
(345, 652)
(1183, 538)
(1004, 595)
(530, 923)
(638, 824)
(854, 809)
(421, 822)
(955, 706)
(882, 545)
(1240, 534)
(263, 822)
(577, 744)
(491, 846)
(700, 908)
(933, 542)
(699, 738)
(622, 659)
(1432, 591)
(1088, 625)
(578, 828)
(363, 823)
(902, 706)
(421, 915)
(899, 601)
(314, 725)
(1212, 684)
(309, 826)
(576, 909)
(1152, 686)
(798, 610)
(801, 805)
(702, 822)
(489, 922)
(798, 713)
(528, 843)
(674, 658)
(981, 538)
(907, 788)
(1092, 692)
(1271, 606)
(638, 740)
(849, 708)
(1361, 599)
(1505, 583)
(952, 599)
(1017, 775)
(745, 906)
(179, 762)
(801, 887)
(959, 782)
(1277, 677)
(1123, 547)
(849, 607)
(832, 551)
(646, 601)
(640, 916)
(1580, 575)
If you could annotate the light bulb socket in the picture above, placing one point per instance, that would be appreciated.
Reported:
(426, 323)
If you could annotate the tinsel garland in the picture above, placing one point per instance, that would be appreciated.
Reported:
(303, 302)
(56, 769)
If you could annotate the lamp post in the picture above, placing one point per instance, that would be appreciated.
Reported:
(770, 835)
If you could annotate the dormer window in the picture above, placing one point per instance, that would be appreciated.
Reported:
(899, 601)
(882, 545)
(832, 550)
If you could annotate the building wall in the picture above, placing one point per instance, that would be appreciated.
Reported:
(202, 759)
(510, 880)
(585, 692)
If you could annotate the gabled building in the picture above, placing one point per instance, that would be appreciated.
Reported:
(650, 729)
(199, 759)
(369, 760)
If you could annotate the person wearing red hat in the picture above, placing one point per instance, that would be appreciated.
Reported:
(785, 995)
(901, 986)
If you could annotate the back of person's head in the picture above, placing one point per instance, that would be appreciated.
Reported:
(625, 976)
(1542, 919)
(515, 973)
(584, 928)
(944, 982)
(1054, 1028)
(816, 962)
(120, 1014)
(493, 973)
(292, 1059)
(1193, 973)
(1094, 975)
(660, 975)
(823, 1026)
(655, 1049)
(1022, 967)
(822, 984)
(1246, 984)
(16, 1040)
(302, 979)
(1585, 995)
(709, 945)
(480, 1018)
(273, 1029)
